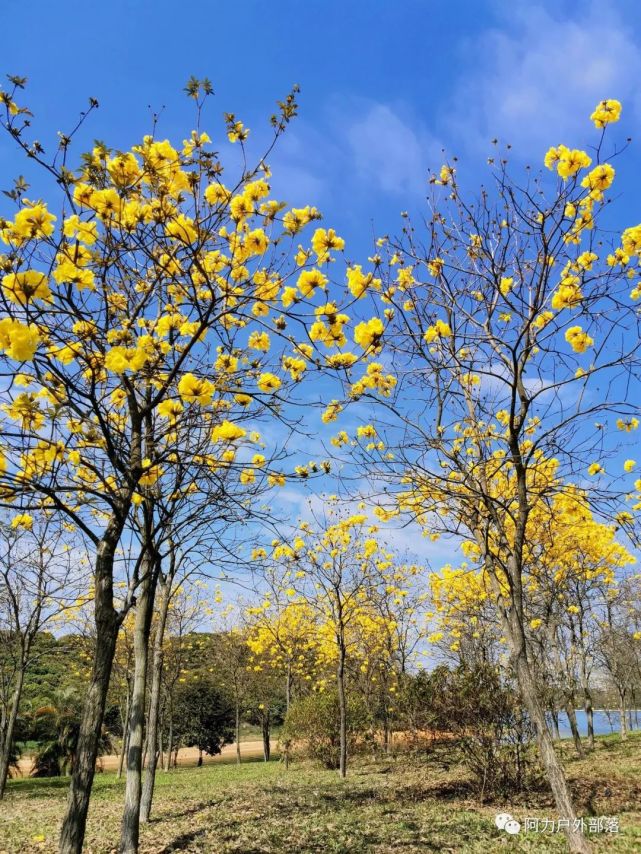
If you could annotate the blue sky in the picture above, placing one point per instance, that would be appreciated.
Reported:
(385, 86)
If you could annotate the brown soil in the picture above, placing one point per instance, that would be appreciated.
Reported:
(186, 756)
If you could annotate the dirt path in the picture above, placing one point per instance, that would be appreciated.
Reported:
(186, 756)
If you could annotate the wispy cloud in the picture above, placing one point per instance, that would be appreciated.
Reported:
(389, 152)
(534, 81)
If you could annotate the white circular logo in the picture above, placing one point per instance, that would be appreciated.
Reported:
(502, 819)
(512, 826)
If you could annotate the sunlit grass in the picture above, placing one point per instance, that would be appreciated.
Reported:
(386, 806)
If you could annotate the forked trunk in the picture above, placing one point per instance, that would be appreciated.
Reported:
(107, 625)
(153, 751)
(130, 829)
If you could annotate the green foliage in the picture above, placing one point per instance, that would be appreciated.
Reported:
(313, 724)
(56, 728)
(203, 717)
(485, 716)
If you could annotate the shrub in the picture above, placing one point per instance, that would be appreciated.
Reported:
(492, 731)
(313, 726)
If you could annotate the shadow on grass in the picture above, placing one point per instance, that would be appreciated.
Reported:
(182, 842)
(37, 785)
(192, 810)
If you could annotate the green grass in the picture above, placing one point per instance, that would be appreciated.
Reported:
(388, 806)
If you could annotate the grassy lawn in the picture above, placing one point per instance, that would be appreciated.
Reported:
(392, 805)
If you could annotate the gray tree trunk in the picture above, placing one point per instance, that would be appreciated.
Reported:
(288, 686)
(238, 758)
(554, 715)
(623, 724)
(154, 708)
(107, 624)
(170, 739)
(574, 729)
(266, 737)
(342, 708)
(125, 736)
(9, 730)
(577, 843)
(130, 828)
(589, 716)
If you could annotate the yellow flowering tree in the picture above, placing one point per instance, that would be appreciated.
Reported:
(282, 636)
(339, 569)
(151, 315)
(504, 321)
(570, 568)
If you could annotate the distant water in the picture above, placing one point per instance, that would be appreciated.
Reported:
(605, 722)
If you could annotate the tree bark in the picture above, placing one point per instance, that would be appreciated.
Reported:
(288, 686)
(170, 739)
(130, 828)
(238, 758)
(589, 715)
(154, 706)
(9, 730)
(623, 725)
(107, 625)
(342, 708)
(125, 736)
(577, 842)
(555, 724)
(266, 737)
(574, 729)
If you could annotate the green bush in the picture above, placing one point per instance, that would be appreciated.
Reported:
(312, 727)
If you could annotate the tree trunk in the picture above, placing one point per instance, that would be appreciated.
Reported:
(342, 707)
(130, 828)
(200, 758)
(623, 724)
(589, 716)
(107, 624)
(576, 737)
(288, 687)
(554, 715)
(125, 737)
(577, 843)
(266, 739)
(9, 730)
(238, 730)
(170, 738)
(154, 707)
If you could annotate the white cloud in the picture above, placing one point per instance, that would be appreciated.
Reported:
(536, 80)
(390, 153)
(357, 147)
